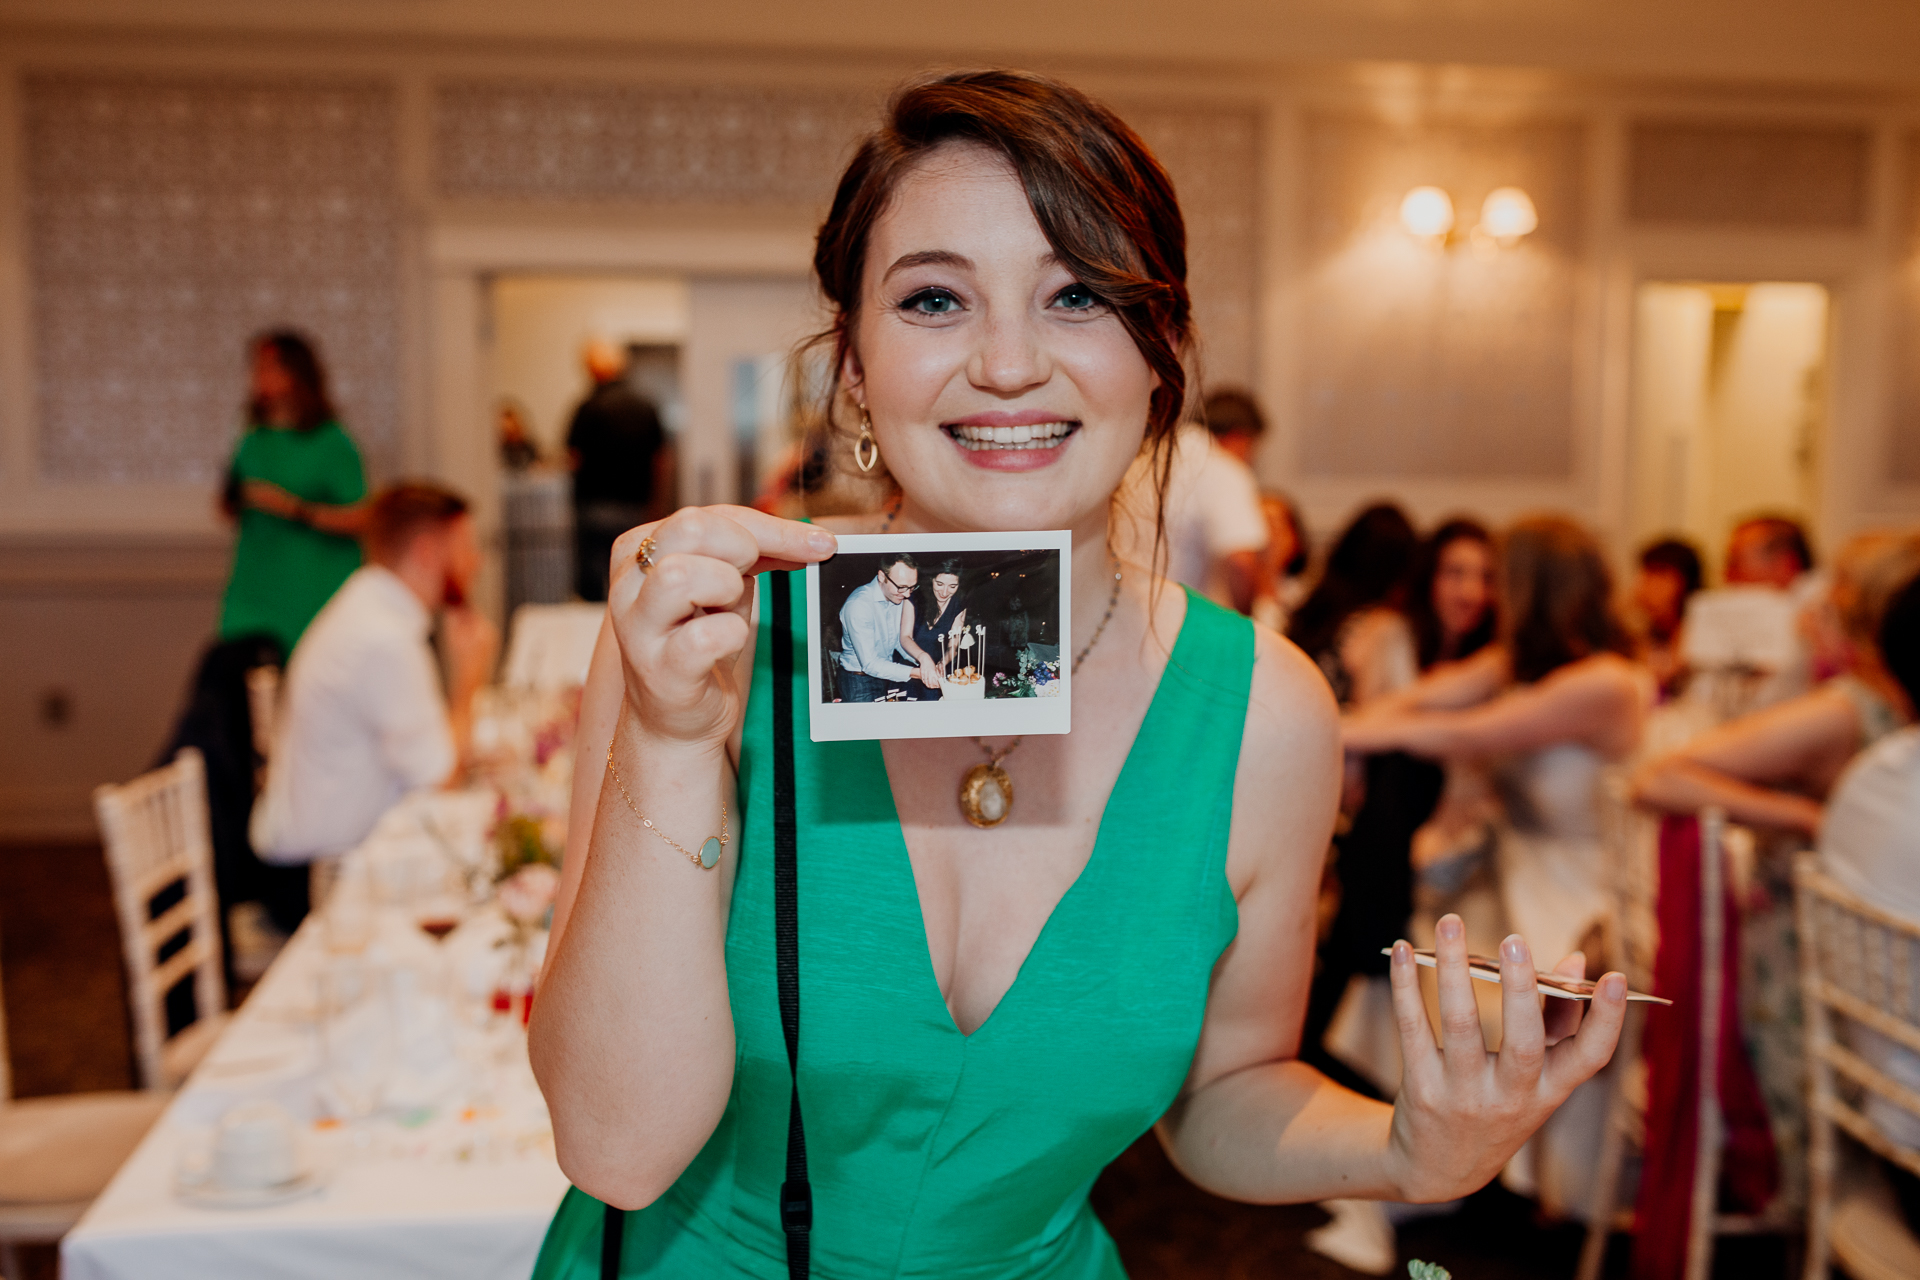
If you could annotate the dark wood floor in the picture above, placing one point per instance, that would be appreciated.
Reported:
(66, 1015)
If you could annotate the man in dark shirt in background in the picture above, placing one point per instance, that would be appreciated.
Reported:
(622, 467)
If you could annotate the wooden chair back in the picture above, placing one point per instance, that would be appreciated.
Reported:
(1859, 972)
(160, 855)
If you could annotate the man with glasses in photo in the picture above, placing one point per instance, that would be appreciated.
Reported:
(870, 635)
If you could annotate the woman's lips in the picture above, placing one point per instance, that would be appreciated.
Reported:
(1010, 446)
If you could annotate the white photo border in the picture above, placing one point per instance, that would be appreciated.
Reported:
(987, 717)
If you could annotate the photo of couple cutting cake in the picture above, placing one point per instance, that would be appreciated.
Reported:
(942, 626)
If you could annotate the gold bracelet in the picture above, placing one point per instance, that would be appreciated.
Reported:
(709, 855)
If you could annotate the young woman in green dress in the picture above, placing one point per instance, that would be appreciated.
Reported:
(990, 1014)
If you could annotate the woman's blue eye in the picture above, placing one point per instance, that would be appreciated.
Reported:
(932, 302)
(1076, 297)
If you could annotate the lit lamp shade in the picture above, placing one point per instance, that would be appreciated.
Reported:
(1508, 214)
(1427, 212)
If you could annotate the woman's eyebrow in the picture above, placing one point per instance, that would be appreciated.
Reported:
(930, 258)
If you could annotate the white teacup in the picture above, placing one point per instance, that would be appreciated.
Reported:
(254, 1148)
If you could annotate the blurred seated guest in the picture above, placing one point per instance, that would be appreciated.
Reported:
(1774, 767)
(1351, 624)
(518, 451)
(1450, 616)
(1215, 530)
(930, 617)
(1547, 707)
(1283, 566)
(622, 464)
(1870, 841)
(871, 629)
(1742, 641)
(364, 719)
(1669, 576)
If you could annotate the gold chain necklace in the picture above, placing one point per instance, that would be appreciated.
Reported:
(986, 792)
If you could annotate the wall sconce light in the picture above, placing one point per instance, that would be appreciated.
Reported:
(1427, 212)
(1505, 216)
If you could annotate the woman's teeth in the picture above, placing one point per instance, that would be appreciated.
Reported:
(1039, 435)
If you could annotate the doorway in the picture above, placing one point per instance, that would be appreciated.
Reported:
(1729, 406)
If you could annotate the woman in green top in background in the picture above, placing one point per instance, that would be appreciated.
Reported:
(296, 487)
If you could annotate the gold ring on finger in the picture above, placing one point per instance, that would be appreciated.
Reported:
(644, 558)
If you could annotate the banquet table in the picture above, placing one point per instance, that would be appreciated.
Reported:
(461, 1183)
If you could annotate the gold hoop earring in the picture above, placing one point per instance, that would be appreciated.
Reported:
(866, 450)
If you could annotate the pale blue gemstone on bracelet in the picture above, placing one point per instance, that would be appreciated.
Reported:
(710, 852)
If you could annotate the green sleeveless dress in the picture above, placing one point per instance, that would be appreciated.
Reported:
(934, 1154)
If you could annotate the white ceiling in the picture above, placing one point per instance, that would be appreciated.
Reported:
(1838, 42)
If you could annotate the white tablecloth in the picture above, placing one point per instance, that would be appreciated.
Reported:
(462, 1190)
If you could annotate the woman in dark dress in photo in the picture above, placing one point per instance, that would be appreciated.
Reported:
(930, 614)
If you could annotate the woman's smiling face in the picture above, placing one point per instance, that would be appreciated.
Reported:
(944, 585)
(1003, 393)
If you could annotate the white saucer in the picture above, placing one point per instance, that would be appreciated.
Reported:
(211, 1195)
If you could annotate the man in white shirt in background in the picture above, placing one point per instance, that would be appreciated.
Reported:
(1216, 530)
(870, 635)
(364, 720)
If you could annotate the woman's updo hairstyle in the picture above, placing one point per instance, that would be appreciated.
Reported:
(1101, 199)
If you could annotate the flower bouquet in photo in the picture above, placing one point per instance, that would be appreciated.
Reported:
(1037, 678)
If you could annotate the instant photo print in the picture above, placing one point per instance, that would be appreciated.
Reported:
(940, 636)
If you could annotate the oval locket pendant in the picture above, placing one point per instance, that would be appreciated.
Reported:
(986, 795)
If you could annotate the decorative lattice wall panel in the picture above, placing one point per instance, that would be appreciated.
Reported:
(758, 147)
(170, 219)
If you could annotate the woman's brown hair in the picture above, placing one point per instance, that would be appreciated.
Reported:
(294, 353)
(1101, 199)
(1556, 597)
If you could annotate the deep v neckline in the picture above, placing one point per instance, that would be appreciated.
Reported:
(911, 886)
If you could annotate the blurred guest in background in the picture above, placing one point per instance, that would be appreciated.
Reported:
(1871, 842)
(517, 448)
(1668, 578)
(295, 487)
(1742, 642)
(1549, 705)
(365, 720)
(1774, 767)
(1449, 616)
(622, 463)
(1283, 566)
(1215, 529)
(1351, 624)
(1768, 551)
(294, 492)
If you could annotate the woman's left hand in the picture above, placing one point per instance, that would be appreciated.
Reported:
(1462, 1111)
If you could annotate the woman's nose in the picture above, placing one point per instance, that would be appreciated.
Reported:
(1010, 358)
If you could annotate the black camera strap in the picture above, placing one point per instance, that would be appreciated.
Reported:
(796, 1196)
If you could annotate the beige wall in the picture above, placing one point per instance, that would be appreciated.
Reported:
(1496, 384)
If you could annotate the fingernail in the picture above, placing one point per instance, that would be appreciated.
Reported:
(1450, 928)
(1515, 948)
(1614, 987)
(1402, 954)
(822, 541)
